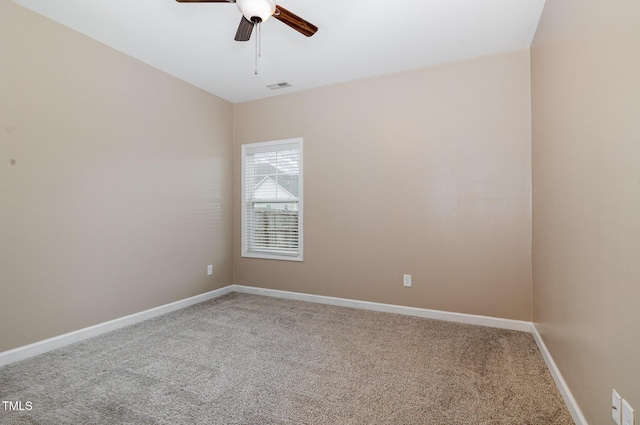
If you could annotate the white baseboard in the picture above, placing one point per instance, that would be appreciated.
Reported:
(22, 353)
(472, 319)
(40, 347)
(571, 403)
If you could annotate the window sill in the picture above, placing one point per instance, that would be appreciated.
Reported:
(267, 256)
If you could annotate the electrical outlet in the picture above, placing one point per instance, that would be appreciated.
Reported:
(209, 270)
(628, 414)
(616, 406)
(406, 280)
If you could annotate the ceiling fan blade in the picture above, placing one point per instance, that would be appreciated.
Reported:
(294, 21)
(244, 30)
(206, 1)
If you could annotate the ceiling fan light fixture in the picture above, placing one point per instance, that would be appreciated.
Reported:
(256, 10)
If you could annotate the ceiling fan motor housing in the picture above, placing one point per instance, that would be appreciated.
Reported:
(256, 10)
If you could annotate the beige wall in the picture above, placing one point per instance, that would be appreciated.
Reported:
(116, 188)
(586, 197)
(425, 172)
(120, 192)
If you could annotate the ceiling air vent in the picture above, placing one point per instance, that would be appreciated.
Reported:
(277, 86)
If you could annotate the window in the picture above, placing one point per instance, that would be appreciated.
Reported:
(272, 200)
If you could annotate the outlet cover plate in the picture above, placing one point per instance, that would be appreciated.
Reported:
(406, 280)
(209, 270)
(628, 414)
(616, 406)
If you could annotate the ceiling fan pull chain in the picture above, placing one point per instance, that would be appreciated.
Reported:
(260, 40)
(256, 51)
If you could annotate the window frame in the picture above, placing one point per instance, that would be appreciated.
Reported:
(271, 146)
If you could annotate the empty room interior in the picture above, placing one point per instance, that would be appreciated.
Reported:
(496, 191)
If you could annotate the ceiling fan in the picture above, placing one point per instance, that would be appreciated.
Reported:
(255, 12)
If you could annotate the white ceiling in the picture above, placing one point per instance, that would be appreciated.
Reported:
(356, 39)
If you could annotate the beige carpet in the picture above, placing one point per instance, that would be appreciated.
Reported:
(244, 359)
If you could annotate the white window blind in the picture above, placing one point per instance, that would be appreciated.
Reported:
(272, 200)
